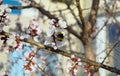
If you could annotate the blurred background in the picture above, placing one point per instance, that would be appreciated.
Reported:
(57, 65)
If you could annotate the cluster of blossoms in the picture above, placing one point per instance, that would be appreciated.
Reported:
(29, 61)
(11, 42)
(74, 68)
(77, 63)
(55, 37)
(33, 28)
(4, 18)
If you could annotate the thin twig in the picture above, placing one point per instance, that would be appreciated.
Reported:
(105, 24)
(114, 45)
(80, 12)
(78, 22)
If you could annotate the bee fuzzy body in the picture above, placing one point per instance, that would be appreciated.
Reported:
(59, 36)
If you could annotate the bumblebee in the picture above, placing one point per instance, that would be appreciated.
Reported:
(59, 36)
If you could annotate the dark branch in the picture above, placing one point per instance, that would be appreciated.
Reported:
(20, 7)
(63, 53)
(105, 24)
(78, 22)
(80, 12)
(93, 12)
(114, 45)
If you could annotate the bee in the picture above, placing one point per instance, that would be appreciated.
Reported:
(59, 36)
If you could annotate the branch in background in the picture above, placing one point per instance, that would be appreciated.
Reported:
(93, 12)
(70, 30)
(20, 7)
(63, 53)
(78, 22)
(75, 17)
(80, 12)
(105, 24)
(59, 10)
(70, 46)
(88, 29)
(114, 45)
(111, 13)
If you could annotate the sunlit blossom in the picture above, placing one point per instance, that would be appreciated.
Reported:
(55, 36)
(33, 28)
(62, 24)
(4, 9)
(12, 41)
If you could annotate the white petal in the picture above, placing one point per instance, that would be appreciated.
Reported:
(75, 71)
(39, 31)
(78, 59)
(68, 71)
(11, 42)
(62, 24)
(47, 43)
(55, 47)
(79, 63)
(52, 21)
(72, 56)
(53, 43)
(50, 33)
(8, 10)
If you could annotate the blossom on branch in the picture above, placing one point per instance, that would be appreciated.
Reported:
(4, 19)
(11, 41)
(30, 64)
(55, 37)
(33, 29)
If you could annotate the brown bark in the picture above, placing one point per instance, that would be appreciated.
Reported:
(87, 31)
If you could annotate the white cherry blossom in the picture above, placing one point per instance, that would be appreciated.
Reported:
(55, 30)
(12, 41)
(4, 8)
(52, 21)
(62, 24)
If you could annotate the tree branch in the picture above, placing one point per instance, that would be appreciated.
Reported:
(80, 12)
(20, 7)
(78, 22)
(63, 53)
(105, 24)
(114, 45)
(88, 29)
(93, 12)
